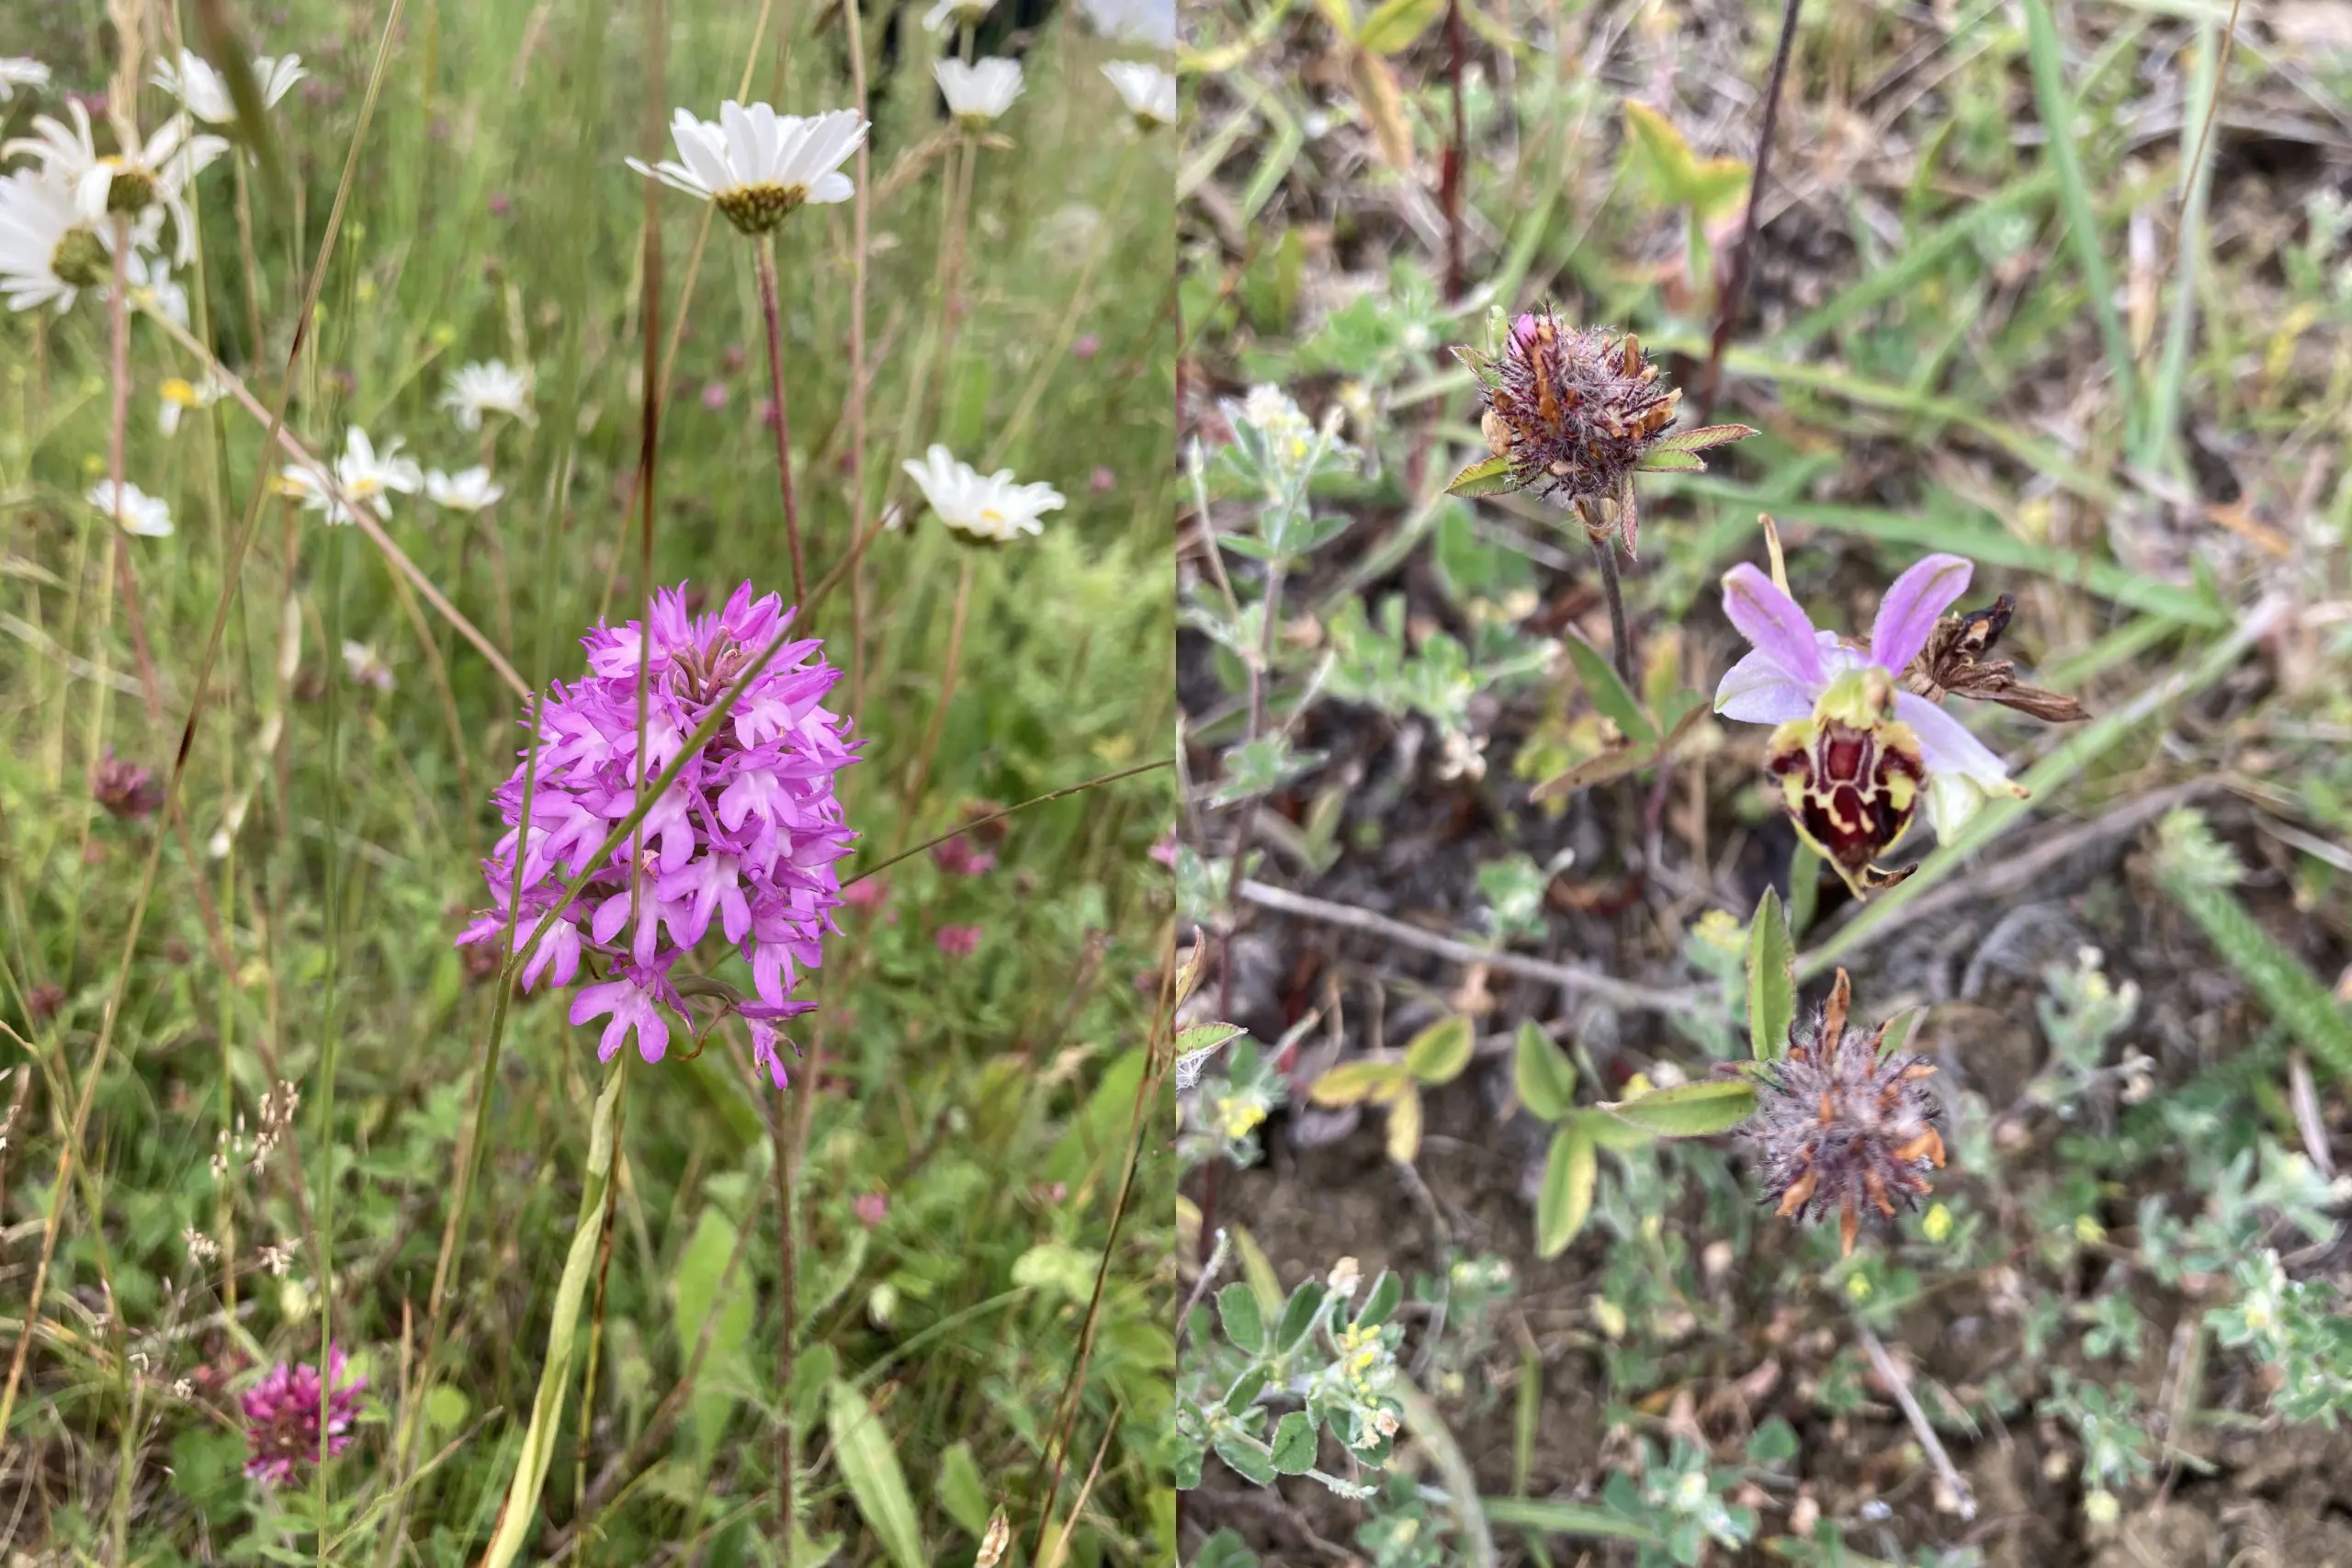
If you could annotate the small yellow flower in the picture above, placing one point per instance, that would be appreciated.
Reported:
(1937, 1223)
(1858, 1287)
(2088, 1231)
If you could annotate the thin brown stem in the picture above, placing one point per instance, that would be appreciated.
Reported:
(1735, 274)
(768, 311)
(1621, 637)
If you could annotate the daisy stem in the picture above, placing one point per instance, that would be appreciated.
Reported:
(118, 326)
(859, 212)
(782, 421)
(921, 777)
(1621, 638)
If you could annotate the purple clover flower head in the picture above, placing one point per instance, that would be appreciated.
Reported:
(1851, 751)
(745, 841)
(282, 1418)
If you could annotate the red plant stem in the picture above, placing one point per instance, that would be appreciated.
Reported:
(1735, 274)
(1450, 180)
(782, 421)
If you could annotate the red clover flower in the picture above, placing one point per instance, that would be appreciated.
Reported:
(747, 836)
(282, 1418)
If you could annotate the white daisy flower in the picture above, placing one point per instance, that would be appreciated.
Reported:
(956, 13)
(992, 511)
(20, 71)
(156, 175)
(1151, 23)
(176, 397)
(492, 387)
(1149, 91)
(759, 165)
(141, 514)
(977, 93)
(362, 474)
(206, 92)
(468, 489)
(49, 252)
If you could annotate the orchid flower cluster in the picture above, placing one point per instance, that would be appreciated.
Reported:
(746, 836)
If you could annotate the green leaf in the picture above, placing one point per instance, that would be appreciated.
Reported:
(1545, 1079)
(1237, 1311)
(701, 1272)
(961, 1490)
(1294, 1443)
(1667, 460)
(1406, 1118)
(1608, 694)
(1771, 980)
(1698, 438)
(1679, 176)
(1245, 1391)
(1204, 1037)
(1298, 1315)
(1069, 1272)
(1381, 1301)
(1247, 1461)
(1565, 1200)
(1395, 24)
(869, 1465)
(1898, 1030)
(1263, 1283)
(1438, 1053)
(1691, 1109)
(1352, 1083)
(1488, 476)
(555, 1362)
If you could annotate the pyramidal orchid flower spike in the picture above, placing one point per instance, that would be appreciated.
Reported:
(1853, 754)
(745, 841)
(282, 1418)
(1573, 414)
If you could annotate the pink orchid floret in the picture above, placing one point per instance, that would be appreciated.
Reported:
(745, 841)
(282, 1418)
(1792, 666)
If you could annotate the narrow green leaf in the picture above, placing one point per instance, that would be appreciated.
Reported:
(1545, 1077)
(1565, 1198)
(1488, 476)
(1395, 24)
(1204, 1037)
(862, 1452)
(1898, 1030)
(1237, 1311)
(1700, 437)
(1691, 1109)
(1608, 694)
(1264, 1283)
(1438, 1053)
(1565, 1519)
(1771, 980)
(1294, 1443)
(1245, 1390)
(1666, 461)
(515, 1524)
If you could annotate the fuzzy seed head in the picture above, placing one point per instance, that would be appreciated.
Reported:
(1840, 1128)
(1574, 410)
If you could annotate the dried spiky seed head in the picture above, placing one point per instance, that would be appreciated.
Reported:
(1574, 410)
(1840, 1128)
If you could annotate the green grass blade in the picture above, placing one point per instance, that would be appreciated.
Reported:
(2057, 112)
(555, 1372)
